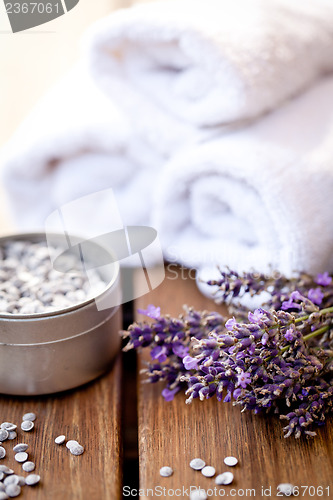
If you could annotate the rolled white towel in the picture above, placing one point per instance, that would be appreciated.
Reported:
(177, 65)
(255, 198)
(76, 142)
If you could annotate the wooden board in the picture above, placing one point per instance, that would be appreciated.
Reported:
(92, 416)
(174, 433)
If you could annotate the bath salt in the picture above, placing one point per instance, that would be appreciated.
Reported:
(224, 478)
(21, 457)
(32, 479)
(166, 471)
(60, 439)
(29, 416)
(28, 466)
(30, 285)
(27, 426)
(197, 464)
(208, 471)
(231, 461)
(13, 490)
(20, 447)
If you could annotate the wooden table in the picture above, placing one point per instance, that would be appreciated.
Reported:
(129, 430)
(92, 416)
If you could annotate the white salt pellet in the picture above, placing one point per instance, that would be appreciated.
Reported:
(197, 464)
(8, 426)
(29, 416)
(208, 471)
(32, 479)
(60, 439)
(286, 489)
(231, 461)
(76, 449)
(28, 466)
(225, 478)
(13, 490)
(21, 457)
(3, 434)
(20, 447)
(6, 470)
(71, 443)
(166, 471)
(2, 452)
(13, 479)
(27, 425)
(198, 494)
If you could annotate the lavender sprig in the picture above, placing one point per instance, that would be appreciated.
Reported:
(265, 365)
(278, 360)
(169, 340)
(278, 289)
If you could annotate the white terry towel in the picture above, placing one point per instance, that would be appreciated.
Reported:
(177, 65)
(256, 197)
(76, 142)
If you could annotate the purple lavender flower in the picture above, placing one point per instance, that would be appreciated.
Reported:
(230, 323)
(228, 397)
(237, 393)
(160, 353)
(151, 311)
(289, 335)
(190, 363)
(323, 279)
(256, 315)
(290, 303)
(243, 379)
(316, 296)
(169, 394)
(264, 338)
(275, 289)
(180, 350)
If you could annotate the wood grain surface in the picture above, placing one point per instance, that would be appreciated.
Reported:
(92, 416)
(174, 433)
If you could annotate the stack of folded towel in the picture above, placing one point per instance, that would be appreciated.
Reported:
(211, 119)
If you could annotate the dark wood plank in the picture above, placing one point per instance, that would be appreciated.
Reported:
(174, 433)
(90, 415)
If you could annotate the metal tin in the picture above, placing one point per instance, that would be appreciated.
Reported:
(60, 350)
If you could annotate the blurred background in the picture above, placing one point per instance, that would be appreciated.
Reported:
(49, 51)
